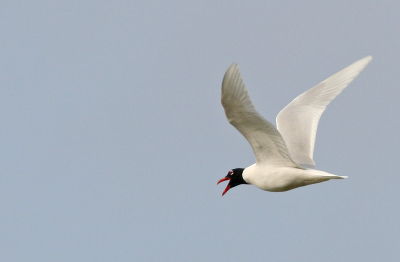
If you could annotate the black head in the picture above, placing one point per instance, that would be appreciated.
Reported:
(235, 178)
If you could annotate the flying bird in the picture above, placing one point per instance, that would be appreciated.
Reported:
(284, 154)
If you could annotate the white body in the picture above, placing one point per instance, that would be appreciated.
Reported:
(284, 155)
(279, 179)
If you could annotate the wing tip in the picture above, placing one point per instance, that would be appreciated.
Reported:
(365, 61)
(230, 74)
(233, 66)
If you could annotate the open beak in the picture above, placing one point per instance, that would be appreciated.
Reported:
(227, 187)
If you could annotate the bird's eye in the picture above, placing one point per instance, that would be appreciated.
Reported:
(230, 172)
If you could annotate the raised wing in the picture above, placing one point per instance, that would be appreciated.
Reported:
(298, 121)
(267, 144)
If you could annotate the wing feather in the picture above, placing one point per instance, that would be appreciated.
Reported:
(265, 140)
(298, 121)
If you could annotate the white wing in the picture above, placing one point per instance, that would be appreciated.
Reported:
(267, 144)
(298, 121)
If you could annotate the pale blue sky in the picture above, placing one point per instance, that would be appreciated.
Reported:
(113, 136)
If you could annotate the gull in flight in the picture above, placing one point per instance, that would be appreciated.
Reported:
(284, 154)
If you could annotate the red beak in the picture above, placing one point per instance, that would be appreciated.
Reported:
(227, 187)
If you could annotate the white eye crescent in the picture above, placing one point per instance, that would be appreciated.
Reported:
(230, 172)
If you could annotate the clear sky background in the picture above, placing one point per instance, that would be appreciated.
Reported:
(113, 136)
